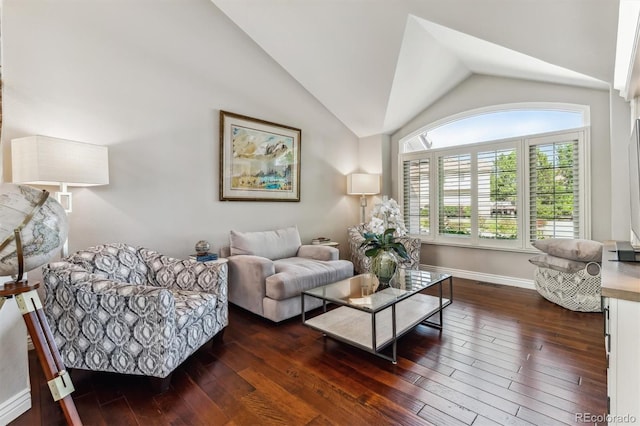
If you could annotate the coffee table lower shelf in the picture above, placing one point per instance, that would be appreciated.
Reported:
(375, 331)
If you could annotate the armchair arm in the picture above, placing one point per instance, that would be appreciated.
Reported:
(413, 245)
(318, 252)
(247, 275)
(169, 272)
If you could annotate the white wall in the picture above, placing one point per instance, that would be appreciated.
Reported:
(479, 91)
(15, 395)
(148, 78)
(620, 195)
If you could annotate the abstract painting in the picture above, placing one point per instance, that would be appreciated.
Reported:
(259, 160)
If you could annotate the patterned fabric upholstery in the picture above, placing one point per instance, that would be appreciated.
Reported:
(131, 310)
(362, 263)
(578, 291)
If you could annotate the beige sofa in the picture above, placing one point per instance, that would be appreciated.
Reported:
(268, 270)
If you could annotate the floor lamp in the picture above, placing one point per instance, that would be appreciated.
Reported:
(363, 184)
(43, 160)
(33, 227)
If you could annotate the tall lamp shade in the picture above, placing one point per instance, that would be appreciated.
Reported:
(43, 160)
(363, 184)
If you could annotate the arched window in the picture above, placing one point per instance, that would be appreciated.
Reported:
(496, 123)
(498, 177)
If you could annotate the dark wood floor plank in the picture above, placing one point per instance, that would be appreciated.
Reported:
(533, 401)
(540, 419)
(435, 405)
(336, 397)
(475, 405)
(89, 410)
(203, 409)
(505, 356)
(460, 366)
(280, 399)
(116, 412)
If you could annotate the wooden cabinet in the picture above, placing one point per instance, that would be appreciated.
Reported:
(621, 302)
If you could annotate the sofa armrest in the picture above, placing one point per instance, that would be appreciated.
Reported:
(318, 252)
(247, 275)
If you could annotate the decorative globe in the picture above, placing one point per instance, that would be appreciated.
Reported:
(43, 235)
(202, 247)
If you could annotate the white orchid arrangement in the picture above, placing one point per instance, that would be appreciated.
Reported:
(385, 215)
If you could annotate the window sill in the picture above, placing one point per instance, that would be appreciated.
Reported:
(481, 247)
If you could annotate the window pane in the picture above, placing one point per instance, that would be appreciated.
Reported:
(498, 194)
(416, 196)
(493, 126)
(554, 184)
(455, 194)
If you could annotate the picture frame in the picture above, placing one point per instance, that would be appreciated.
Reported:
(259, 160)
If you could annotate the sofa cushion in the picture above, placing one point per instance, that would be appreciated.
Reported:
(295, 275)
(276, 244)
(572, 249)
(558, 263)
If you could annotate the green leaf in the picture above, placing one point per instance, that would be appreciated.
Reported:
(374, 243)
(372, 252)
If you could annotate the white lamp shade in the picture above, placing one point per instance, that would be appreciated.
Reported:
(42, 160)
(363, 184)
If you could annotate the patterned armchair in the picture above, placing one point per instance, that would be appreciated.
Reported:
(130, 310)
(362, 263)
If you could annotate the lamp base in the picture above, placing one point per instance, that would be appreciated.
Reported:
(65, 198)
(363, 205)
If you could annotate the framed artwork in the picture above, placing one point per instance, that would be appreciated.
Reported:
(259, 160)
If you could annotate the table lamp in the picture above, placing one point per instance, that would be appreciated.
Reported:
(33, 228)
(363, 184)
(43, 160)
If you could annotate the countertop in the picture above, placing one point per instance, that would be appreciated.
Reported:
(620, 280)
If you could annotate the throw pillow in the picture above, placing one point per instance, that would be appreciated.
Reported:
(579, 250)
(277, 244)
(558, 263)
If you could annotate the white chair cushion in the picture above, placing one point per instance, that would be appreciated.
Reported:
(572, 249)
(277, 244)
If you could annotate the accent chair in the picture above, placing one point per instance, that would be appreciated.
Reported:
(131, 310)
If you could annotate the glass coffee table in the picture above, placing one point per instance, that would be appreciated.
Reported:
(372, 318)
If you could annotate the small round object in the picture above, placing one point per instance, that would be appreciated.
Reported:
(202, 247)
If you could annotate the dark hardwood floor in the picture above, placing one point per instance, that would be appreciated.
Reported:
(505, 356)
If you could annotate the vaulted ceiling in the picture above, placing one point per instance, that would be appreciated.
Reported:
(376, 64)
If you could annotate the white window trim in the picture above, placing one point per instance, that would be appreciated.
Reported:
(522, 244)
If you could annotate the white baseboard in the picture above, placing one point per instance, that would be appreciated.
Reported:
(478, 276)
(12, 408)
